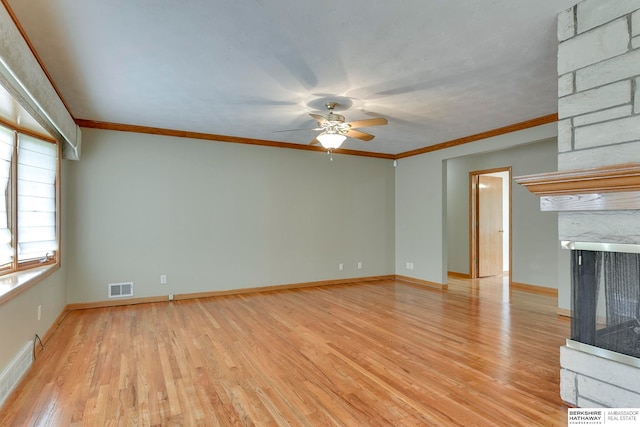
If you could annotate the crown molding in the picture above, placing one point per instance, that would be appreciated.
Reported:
(92, 124)
(551, 118)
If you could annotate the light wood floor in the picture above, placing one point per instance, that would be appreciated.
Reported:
(379, 353)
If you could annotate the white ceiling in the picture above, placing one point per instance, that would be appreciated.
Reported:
(437, 70)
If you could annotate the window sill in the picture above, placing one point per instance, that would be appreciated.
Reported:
(14, 284)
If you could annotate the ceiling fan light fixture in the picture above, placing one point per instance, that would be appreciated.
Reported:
(331, 140)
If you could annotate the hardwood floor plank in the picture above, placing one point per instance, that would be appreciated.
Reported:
(374, 353)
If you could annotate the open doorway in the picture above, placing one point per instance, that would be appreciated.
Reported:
(490, 222)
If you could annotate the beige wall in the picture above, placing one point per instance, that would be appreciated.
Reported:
(19, 317)
(217, 216)
(19, 68)
(421, 214)
(535, 242)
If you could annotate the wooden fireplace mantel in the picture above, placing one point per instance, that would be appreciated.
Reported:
(606, 188)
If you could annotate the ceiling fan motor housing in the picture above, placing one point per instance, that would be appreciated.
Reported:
(335, 118)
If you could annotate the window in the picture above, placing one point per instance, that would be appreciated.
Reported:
(28, 210)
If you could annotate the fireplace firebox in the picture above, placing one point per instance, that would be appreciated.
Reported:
(606, 299)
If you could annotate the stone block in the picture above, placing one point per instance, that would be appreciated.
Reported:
(565, 135)
(568, 356)
(565, 85)
(595, 46)
(635, 23)
(636, 97)
(603, 227)
(601, 156)
(613, 132)
(587, 403)
(609, 395)
(568, 391)
(592, 13)
(595, 99)
(605, 370)
(566, 24)
(603, 115)
(635, 42)
(615, 69)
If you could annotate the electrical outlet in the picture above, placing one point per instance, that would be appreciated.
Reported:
(163, 279)
(170, 297)
(39, 312)
(409, 266)
(340, 266)
(359, 265)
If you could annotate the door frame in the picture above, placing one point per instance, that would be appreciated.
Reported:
(473, 220)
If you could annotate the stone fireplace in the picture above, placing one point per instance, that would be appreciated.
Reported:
(597, 194)
(600, 364)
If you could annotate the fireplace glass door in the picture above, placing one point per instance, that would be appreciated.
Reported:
(606, 300)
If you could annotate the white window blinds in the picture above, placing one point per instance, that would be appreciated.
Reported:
(37, 161)
(7, 141)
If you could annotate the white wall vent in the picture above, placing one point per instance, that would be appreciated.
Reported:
(15, 370)
(118, 290)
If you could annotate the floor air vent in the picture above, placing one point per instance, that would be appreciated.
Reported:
(117, 290)
(13, 373)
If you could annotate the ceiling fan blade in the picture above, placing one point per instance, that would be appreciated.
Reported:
(378, 121)
(320, 119)
(359, 135)
(295, 130)
(314, 142)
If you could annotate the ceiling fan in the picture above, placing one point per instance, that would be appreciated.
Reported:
(335, 130)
